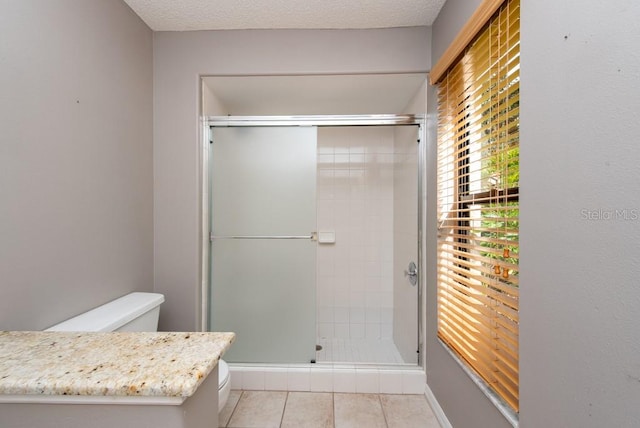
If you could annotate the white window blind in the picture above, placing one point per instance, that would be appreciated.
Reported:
(478, 194)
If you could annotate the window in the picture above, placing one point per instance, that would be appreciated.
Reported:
(478, 193)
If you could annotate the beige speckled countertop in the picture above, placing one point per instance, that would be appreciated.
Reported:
(108, 364)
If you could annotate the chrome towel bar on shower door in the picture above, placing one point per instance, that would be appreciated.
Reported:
(313, 236)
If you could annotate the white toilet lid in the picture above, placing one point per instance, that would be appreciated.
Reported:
(223, 373)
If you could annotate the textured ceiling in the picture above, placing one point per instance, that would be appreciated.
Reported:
(186, 15)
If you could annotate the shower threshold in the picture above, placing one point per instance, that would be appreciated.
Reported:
(329, 377)
(343, 365)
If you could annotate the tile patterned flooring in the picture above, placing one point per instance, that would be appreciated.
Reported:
(281, 409)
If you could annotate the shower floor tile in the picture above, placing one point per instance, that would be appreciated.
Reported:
(382, 351)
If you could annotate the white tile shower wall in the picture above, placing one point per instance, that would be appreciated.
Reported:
(355, 199)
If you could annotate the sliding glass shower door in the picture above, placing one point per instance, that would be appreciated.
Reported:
(263, 249)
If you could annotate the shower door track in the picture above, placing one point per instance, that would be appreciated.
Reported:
(311, 120)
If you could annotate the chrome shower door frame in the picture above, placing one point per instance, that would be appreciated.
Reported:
(320, 120)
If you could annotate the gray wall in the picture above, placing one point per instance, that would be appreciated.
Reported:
(76, 180)
(580, 300)
(179, 60)
(580, 100)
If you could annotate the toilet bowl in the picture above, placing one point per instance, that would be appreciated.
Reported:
(134, 312)
(224, 384)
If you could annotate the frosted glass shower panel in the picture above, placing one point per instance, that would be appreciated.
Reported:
(263, 293)
(264, 180)
(263, 211)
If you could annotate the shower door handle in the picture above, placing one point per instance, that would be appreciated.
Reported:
(412, 273)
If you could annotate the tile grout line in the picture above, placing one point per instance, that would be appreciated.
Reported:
(284, 408)
(234, 409)
(242, 394)
(333, 400)
(384, 414)
(333, 404)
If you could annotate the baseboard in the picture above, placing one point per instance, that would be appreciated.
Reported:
(437, 410)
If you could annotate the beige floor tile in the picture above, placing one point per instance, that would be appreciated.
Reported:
(225, 414)
(358, 411)
(408, 411)
(308, 410)
(259, 409)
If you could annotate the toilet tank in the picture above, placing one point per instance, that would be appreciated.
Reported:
(133, 312)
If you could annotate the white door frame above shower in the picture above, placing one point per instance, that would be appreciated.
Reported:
(311, 120)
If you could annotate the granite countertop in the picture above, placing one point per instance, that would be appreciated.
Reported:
(152, 364)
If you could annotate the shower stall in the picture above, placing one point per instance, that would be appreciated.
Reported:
(314, 238)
